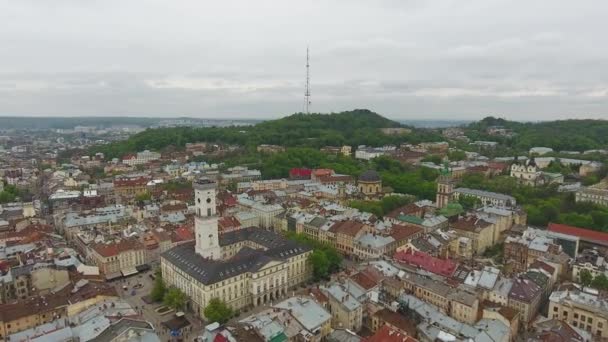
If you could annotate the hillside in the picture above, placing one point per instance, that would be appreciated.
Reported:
(571, 135)
(357, 127)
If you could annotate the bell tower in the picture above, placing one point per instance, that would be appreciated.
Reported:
(205, 220)
(445, 187)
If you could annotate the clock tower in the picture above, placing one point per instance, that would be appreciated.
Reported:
(205, 220)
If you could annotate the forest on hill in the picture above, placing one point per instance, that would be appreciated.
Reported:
(560, 135)
(356, 127)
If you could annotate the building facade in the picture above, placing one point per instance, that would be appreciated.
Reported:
(243, 268)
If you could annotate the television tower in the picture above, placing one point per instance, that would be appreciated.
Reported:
(307, 89)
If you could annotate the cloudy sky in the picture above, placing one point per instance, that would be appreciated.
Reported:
(406, 59)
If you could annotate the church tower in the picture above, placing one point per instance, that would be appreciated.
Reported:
(445, 187)
(205, 220)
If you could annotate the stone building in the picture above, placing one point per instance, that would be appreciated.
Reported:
(243, 268)
(370, 183)
(584, 310)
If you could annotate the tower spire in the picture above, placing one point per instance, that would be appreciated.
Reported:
(307, 88)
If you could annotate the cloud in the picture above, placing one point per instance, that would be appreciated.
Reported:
(405, 59)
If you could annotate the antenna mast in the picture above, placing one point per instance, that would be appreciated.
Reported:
(307, 89)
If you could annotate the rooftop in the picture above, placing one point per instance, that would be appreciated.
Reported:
(524, 290)
(211, 271)
(306, 311)
(443, 267)
(583, 234)
(489, 194)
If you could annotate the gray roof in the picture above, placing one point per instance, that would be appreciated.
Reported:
(125, 325)
(306, 311)
(247, 260)
(343, 296)
(482, 193)
(369, 176)
(375, 241)
(343, 335)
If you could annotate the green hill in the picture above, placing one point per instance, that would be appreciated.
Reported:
(357, 127)
(574, 135)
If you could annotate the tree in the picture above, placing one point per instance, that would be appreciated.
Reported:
(158, 291)
(457, 155)
(585, 277)
(334, 259)
(600, 282)
(175, 298)
(469, 202)
(320, 264)
(144, 196)
(433, 158)
(6, 197)
(218, 311)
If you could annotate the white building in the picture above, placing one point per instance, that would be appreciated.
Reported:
(140, 158)
(368, 153)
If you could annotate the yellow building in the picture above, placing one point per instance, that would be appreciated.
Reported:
(586, 311)
(243, 268)
(480, 234)
(119, 258)
(33, 312)
(345, 310)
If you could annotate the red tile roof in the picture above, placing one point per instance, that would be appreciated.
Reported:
(497, 165)
(364, 280)
(183, 234)
(584, 234)
(300, 172)
(318, 295)
(348, 227)
(126, 182)
(114, 248)
(401, 232)
(388, 334)
(322, 172)
(408, 209)
(542, 265)
(228, 223)
(396, 320)
(425, 261)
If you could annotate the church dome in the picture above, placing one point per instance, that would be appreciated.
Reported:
(369, 176)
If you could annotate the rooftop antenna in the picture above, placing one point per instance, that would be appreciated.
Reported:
(307, 89)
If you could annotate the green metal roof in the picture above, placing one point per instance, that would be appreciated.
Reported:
(410, 219)
(279, 338)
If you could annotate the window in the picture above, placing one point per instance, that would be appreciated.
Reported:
(575, 316)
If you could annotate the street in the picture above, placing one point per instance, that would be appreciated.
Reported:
(147, 310)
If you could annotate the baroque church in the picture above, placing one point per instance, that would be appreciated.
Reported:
(243, 268)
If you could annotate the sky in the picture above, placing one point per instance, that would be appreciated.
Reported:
(405, 59)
